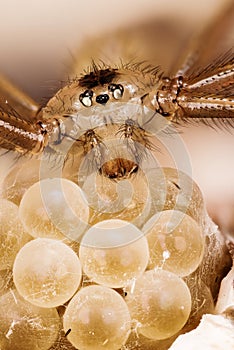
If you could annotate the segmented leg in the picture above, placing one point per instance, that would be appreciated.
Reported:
(202, 92)
(19, 129)
(216, 39)
(16, 102)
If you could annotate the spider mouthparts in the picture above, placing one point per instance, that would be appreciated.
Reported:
(118, 168)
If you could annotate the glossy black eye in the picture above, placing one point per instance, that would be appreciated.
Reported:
(117, 90)
(86, 98)
(102, 99)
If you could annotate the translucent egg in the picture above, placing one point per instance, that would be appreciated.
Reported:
(138, 341)
(127, 199)
(24, 326)
(12, 233)
(97, 318)
(160, 302)
(20, 178)
(202, 300)
(47, 272)
(176, 242)
(112, 252)
(54, 208)
(172, 189)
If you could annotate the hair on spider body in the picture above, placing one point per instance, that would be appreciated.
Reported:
(97, 77)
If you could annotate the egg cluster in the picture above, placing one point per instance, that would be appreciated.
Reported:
(74, 275)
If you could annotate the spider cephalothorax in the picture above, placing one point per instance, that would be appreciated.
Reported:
(104, 112)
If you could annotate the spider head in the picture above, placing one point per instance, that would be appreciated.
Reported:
(104, 113)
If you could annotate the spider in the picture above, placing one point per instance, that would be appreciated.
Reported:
(110, 114)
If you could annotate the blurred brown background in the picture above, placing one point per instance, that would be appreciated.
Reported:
(39, 40)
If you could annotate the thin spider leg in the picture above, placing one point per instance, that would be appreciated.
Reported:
(208, 44)
(210, 110)
(211, 98)
(215, 76)
(21, 126)
(16, 102)
(20, 135)
(213, 107)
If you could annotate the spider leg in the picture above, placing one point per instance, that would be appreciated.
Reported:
(209, 44)
(210, 93)
(19, 135)
(14, 101)
(20, 127)
(201, 92)
(208, 99)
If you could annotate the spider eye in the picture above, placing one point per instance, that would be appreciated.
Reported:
(86, 98)
(102, 99)
(117, 90)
